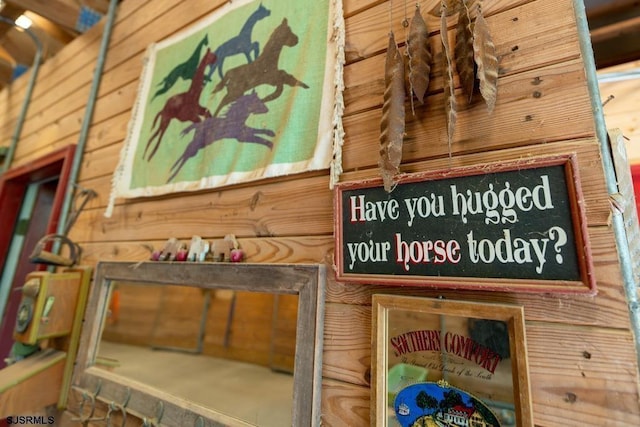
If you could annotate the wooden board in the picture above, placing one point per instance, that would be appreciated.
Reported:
(543, 108)
(31, 384)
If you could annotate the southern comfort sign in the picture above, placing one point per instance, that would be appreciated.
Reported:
(508, 226)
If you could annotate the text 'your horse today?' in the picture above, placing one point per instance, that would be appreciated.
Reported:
(516, 226)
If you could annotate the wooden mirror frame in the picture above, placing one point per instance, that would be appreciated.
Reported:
(307, 281)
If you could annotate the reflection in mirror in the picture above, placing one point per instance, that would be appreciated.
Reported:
(205, 343)
(231, 351)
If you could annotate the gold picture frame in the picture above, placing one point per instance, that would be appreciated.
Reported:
(424, 348)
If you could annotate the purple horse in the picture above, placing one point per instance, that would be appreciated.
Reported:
(232, 125)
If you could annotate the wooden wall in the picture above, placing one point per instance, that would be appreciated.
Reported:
(581, 350)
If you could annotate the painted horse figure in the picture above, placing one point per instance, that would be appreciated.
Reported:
(232, 125)
(184, 107)
(185, 70)
(264, 70)
(241, 43)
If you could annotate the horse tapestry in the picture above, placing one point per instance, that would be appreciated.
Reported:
(252, 91)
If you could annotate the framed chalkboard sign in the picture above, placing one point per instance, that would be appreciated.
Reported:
(514, 226)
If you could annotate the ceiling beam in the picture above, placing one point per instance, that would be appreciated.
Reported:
(52, 30)
(61, 12)
(598, 8)
(19, 46)
(615, 30)
(9, 12)
(101, 6)
(7, 57)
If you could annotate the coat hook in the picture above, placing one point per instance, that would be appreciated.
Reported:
(154, 422)
(122, 408)
(86, 396)
(94, 397)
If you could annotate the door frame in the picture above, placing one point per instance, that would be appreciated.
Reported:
(635, 176)
(13, 185)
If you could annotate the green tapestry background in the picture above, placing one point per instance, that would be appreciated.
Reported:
(294, 116)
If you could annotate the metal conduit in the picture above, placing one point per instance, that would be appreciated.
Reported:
(35, 66)
(86, 123)
(624, 254)
(619, 76)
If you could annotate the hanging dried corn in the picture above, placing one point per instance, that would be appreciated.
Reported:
(463, 52)
(392, 125)
(486, 60)
(450, 104)
(420, 57)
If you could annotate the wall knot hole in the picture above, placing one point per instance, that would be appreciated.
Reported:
(570, 397)
(254, 200)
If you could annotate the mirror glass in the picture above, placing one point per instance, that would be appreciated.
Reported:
(231, 351)
(215, 344)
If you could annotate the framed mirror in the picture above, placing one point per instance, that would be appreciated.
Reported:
(448, 363)
(185, 344)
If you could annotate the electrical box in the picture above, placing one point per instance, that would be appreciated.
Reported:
(52, 306)
(48, 306)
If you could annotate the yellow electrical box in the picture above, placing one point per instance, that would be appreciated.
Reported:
(52, 306)
(48, 306)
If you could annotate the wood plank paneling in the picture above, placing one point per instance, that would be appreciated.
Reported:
(368, 30)
(96, 174)
(264, 210)
(518, 49)
(526, 114)
(581, 355)
(344, 404)
(296, 249)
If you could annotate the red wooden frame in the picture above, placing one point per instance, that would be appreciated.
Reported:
(635, 175)
(13, 185)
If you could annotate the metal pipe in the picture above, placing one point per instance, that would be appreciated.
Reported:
(86, 123)
(624, 254)
(619, 76)
(35, 66)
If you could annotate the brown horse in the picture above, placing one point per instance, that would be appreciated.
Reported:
(264, 70)
(184, 107)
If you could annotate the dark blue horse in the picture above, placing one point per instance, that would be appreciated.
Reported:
(232, 125)
(242, 43)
